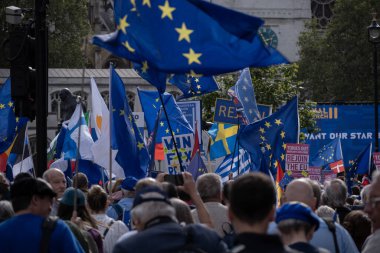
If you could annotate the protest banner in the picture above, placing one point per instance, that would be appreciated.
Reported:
(192, 112)
(376, 160)
(314, 173)
(185, 144)
(297, 159)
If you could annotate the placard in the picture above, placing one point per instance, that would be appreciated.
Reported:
(185, 144)
(297, 159)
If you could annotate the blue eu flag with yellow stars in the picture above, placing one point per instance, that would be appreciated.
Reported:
(187, 36)
(10, 125)
(153, 76)
(196, 166)
(192, 86)
(132, 154)
(266, 139)
(329, 153)
(151, 104)
(244, 96)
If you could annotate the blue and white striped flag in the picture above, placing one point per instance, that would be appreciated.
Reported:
(241, 161)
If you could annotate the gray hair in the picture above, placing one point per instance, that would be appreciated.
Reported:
(364, 194)
(183, 212)
(6, 210)
(149, 210)
(209, 186)
(326, 212)
(336, 193)
(289, 226)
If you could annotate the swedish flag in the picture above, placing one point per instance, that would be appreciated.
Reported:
(223, 139)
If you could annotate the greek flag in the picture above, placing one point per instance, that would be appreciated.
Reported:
(241, 161)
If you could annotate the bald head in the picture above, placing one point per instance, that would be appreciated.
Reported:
(56, 179)
(300, 190)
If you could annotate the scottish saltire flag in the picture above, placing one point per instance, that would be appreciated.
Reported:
(187, 36)
(241, 164)
(223, 139)
(77, 123)
(192, 86)
(9, 123)
(267, 138)
(132, 154)
(330, 156)
(196, 166)
(151, 104)
(244, 96)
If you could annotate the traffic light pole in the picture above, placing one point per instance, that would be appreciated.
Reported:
(40, 7)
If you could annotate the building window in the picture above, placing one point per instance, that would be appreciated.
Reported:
(322, 10)
(131, 100)
(55, 102)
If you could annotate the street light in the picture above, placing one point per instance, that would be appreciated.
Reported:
(374, 38)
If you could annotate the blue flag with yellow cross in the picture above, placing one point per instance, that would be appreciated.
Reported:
(223, 139)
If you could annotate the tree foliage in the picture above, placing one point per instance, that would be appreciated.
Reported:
(68, 26)
(336, 63)
(273, 86)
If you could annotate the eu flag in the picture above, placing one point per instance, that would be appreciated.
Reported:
(151, 104)
(361, 165)
(187, 36)
(329, 153)
(244, 96)
(132, 154)
(268, 137)
(152, 75)
(197, 167)
(192, 86)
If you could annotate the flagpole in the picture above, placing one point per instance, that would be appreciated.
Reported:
(172, 134)
(236, 144)
(30, 149)
(23, 147)
(110, 126)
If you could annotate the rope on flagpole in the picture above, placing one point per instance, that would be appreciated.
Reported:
(172, 134)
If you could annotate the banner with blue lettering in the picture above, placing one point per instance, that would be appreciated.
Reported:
(192, 112)
(353, 124)
(184, 144)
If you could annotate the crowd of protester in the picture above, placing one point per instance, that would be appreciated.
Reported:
(152, 215)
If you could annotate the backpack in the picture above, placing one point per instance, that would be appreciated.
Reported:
(229, 234)
(97, 238)
(331, 225)
(48, 226)
(123, 215)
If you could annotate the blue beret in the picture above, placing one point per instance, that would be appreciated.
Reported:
(129, 183)
(297, 211)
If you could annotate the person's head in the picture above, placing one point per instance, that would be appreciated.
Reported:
(355, 190)
(6, 210)
(358, 224)
(97, 199)
(66, 206)
(226, 192)
(327, 212)
(30, 195)
(209, 186)
(56, 179)
(144, 182)
(316, 191)
(300, 190)
(336, 193)
(182, 210)
(364, 194)
(150, 203)
(372, 205)
(252, 202)
(296, 222)
(80, 181)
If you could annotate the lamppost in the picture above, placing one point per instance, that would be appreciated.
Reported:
(374, 38)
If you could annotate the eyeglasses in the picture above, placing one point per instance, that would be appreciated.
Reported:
(373, 202)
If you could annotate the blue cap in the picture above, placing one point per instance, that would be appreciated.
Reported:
(297, 211)
(68, 197)
(144, 196)
(129, 183)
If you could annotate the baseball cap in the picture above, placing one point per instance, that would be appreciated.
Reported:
(297, 211)
(129, 183)
(150, 193)
(68, 197)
